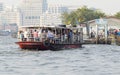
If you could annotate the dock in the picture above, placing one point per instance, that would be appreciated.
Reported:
(110, 40)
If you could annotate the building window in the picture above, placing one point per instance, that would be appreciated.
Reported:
(26, 17)
(33, 17)
(29, 17)
(38, 17)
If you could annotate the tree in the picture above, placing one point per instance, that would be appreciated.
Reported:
(69, 18)
(81, 15)
(117, 15)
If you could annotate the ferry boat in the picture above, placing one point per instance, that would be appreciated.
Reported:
(64, 38)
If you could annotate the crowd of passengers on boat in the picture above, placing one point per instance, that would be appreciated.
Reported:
(54, 35)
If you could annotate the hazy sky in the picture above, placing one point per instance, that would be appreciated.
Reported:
(107, 6)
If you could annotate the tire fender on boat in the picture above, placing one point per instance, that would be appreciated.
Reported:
(46, 43)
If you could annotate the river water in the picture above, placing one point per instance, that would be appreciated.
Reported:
(89, 60)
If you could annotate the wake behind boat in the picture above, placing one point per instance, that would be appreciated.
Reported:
(50, 38)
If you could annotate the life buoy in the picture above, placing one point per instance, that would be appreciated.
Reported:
(46, 43)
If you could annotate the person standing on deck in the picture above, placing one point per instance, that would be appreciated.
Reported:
(35, 35)
(50, 35)
(70, 35)
(39, 34)
(21, 35)
(43, 34)
(118, 33)
(25, 35)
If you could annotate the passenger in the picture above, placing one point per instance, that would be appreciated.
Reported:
(21, 36)
(25, 35)
(101, 34)
(35, 35)
(92, 34)
(57, 38)
(39, 34)
(66, 37)
(28, 35)
(118, 33)
(62, 38)
(74, 36)
(77, 36)
(50, 35)
(70, 35)
(115, 33)
(108, 33)
(43, 35)
(18, 34)
(31, 36)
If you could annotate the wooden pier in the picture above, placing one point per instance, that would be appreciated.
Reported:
(95, 41)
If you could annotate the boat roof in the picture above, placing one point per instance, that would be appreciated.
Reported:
(49, 26)
(31, 26)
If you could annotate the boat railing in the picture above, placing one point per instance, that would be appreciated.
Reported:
(60, 38)
(56, 41)
(76, 39)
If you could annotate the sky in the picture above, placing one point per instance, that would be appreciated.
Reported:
(110, 7)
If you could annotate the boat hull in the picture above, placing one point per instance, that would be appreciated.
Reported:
(43, 46)
(32, 45)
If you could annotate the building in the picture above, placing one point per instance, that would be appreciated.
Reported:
(53, 15)
(56, 8)
(44, 6)
(9, 19)
(31, 11)
(39, 12)
(51, 19)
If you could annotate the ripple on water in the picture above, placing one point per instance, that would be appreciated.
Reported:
(89, 60)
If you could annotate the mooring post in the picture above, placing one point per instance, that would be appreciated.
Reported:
(106, 34)
(96, 34)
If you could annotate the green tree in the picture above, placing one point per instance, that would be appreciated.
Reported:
(81, 15)
(117, 15)
(69, 18)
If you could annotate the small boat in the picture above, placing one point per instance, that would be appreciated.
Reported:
(4, 33)
(60, 41)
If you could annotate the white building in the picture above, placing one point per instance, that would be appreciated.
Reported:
(38, 12)
(8, 19)
(31, 10)
(53, 15)
(56, 8)
(51, 19)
